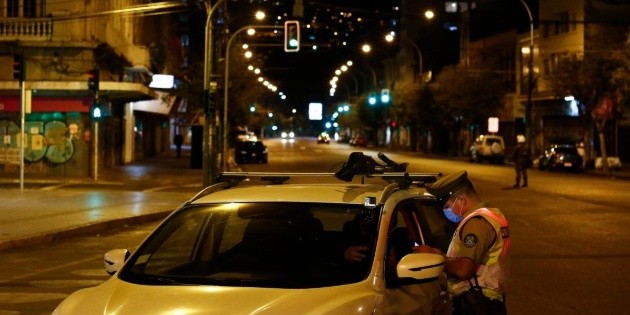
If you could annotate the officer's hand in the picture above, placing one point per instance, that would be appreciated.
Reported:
(426, 249)
(355, 254)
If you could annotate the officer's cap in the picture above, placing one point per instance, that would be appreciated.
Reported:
(446, 186)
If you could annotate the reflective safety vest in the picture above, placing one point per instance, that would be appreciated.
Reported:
(492, 273)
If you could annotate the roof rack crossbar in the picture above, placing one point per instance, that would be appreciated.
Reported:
(403, 178)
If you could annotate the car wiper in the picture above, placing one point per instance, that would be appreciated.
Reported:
(163, 280)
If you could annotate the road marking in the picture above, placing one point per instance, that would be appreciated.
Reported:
(58, 284)
(50, 270)
(23, 297)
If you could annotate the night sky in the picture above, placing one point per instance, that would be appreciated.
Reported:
(304, 75)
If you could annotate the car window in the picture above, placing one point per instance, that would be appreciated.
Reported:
(491, 141)
(415, 222)
(294, 245)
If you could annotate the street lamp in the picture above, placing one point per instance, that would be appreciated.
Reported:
(530, 77)
(390, 38)
(366, 48)
(226, 84)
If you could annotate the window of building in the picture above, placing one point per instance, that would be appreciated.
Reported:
(562, 23)
(13, 8)
(30, 8)
(23, 8)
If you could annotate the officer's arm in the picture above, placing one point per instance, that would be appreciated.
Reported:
(462, 268)
(477, 235)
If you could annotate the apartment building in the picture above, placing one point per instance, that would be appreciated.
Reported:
(572, 29)
(562, 29)
(59, 44)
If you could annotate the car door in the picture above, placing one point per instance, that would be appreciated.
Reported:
(407, 229)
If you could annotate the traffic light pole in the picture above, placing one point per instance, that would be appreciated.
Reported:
(209, 153)
(22, 122)
(95, 152)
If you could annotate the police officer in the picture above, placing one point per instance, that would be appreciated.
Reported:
(476, 256)
(520, 156)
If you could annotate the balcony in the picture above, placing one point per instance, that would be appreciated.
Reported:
(26, 29)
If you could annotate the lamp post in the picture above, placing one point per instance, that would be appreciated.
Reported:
(226, 86)
(530, 77)
(390, 38)
(209, 158)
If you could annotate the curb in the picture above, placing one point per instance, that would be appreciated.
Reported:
(97, 227)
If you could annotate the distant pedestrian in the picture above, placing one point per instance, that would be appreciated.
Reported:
(582, 152)
(179, 140)
(521, 161)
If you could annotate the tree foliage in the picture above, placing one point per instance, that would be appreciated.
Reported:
(600, 83)
(468, 97)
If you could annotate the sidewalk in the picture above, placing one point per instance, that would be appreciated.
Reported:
(44, 212)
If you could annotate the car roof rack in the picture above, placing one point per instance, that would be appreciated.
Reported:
(358, 164)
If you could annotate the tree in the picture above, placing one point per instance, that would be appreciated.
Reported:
(599, 81)
(414, 106)
(467, 98)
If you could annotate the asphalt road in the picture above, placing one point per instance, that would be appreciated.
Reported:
(568, 255)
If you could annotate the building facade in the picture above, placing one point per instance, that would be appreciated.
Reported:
(51, 104)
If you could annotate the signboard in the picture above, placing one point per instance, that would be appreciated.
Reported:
(315, 111)
(493, 124)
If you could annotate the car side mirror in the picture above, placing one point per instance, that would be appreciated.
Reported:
(420, 266)
(115, 259)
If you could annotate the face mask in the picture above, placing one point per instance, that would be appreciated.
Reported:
(451, 216)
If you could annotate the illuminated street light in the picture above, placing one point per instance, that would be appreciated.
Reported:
(227, 80)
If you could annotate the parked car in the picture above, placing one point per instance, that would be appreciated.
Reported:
(323, 138)
(358, 141)
(488, 147)
(250, 151)
(561, 157)
(239, 247)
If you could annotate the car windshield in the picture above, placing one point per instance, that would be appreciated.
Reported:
(284, 245)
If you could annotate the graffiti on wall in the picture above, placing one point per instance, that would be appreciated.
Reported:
(50, 140)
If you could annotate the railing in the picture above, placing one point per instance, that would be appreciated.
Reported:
(26, 29)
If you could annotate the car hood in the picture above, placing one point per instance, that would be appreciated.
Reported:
(116, 297)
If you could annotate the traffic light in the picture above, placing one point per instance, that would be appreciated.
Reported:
(96, 109)
(385, 96)
(291, 36)
(19, 69)
(372, 98)
(93, 79)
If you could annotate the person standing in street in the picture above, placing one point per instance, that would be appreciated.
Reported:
(179, 141)
(521, 160)
(476, 261)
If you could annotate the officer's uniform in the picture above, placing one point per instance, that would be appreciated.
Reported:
(482, 236)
